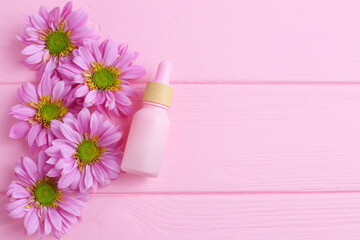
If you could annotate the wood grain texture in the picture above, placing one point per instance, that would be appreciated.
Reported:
(216, 41)
(243, 138)
(194, 217)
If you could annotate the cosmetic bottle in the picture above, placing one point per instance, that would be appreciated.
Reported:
(150, 127)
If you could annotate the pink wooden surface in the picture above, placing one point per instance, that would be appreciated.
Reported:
(266, 119)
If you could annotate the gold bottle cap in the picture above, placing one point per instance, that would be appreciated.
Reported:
(158, 93)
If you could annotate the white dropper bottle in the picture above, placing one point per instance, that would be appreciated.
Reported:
(150, 127)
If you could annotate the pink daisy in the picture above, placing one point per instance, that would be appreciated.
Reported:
(101, 74)
(86, 153)
(44, 205)
(37, 110)
(52, 36)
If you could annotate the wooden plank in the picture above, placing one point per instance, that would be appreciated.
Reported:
(187, 217)
(213, 41)
(248, 138)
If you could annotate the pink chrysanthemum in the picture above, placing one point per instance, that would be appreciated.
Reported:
(101, 74)
(44, 205)
(52, 36)
(37, 110)
(86, 153)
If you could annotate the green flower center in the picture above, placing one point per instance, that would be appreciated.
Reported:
(50, 112)
(47, 110)
(103, 77)
(58, 43)
(46, 192)
(88, 152)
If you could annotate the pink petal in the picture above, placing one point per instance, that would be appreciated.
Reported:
(81, 62)
(66, 180)
(47, 225)
(42, 158)
(122, 99)
(83, 120)
(81, 33)
(58, 89)
(67, 152)
(69, 70)
(81, 91)
(41, 139)
(125, 60)
(122, 49)
(20, 203)
(44, 13)
(77, 18)
(18, 212)
(19, 129)
(95, 51)
(38, 21)
(70, 134)
(35, 58)
(45, 86)
(86, 54)
(55, 128)
(110, 52)
(95, 124)
(98, 173)
(55, 218)
(33, 133)
(54, 18)
(75, 183)
(110, 103)
(90, 97)
(32, 49)
(66, 10)
(30, 168)
(22, 112)
(133, 72)
(31, 221)
(70, 208)
(111, 139)
(88, 177)
(28, 93)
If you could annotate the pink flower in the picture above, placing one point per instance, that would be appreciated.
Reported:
(44, 205)
(37, 110)
(101, 75)
(86, 152)
(52, 36)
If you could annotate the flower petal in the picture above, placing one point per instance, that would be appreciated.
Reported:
(33, 133)
(32, 49)
(90, 97)
(133, 72)
(81, 62)
(77, 18)
(55, 218)
(81, 91)
(30, 168)
(70, 133)
(31, 221)
(110, 52)
(19, 129)
(88, 177)
(58, 89)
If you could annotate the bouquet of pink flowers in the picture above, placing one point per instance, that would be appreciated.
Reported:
(66, 118)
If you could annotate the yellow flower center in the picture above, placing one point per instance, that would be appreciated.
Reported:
(103, 77)
(58, 42)
(88, 151)
(46, 192)
(47, 110)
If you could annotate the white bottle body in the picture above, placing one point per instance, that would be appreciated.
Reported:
(147, 140)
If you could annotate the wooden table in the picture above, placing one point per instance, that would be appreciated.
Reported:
(265, 138)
